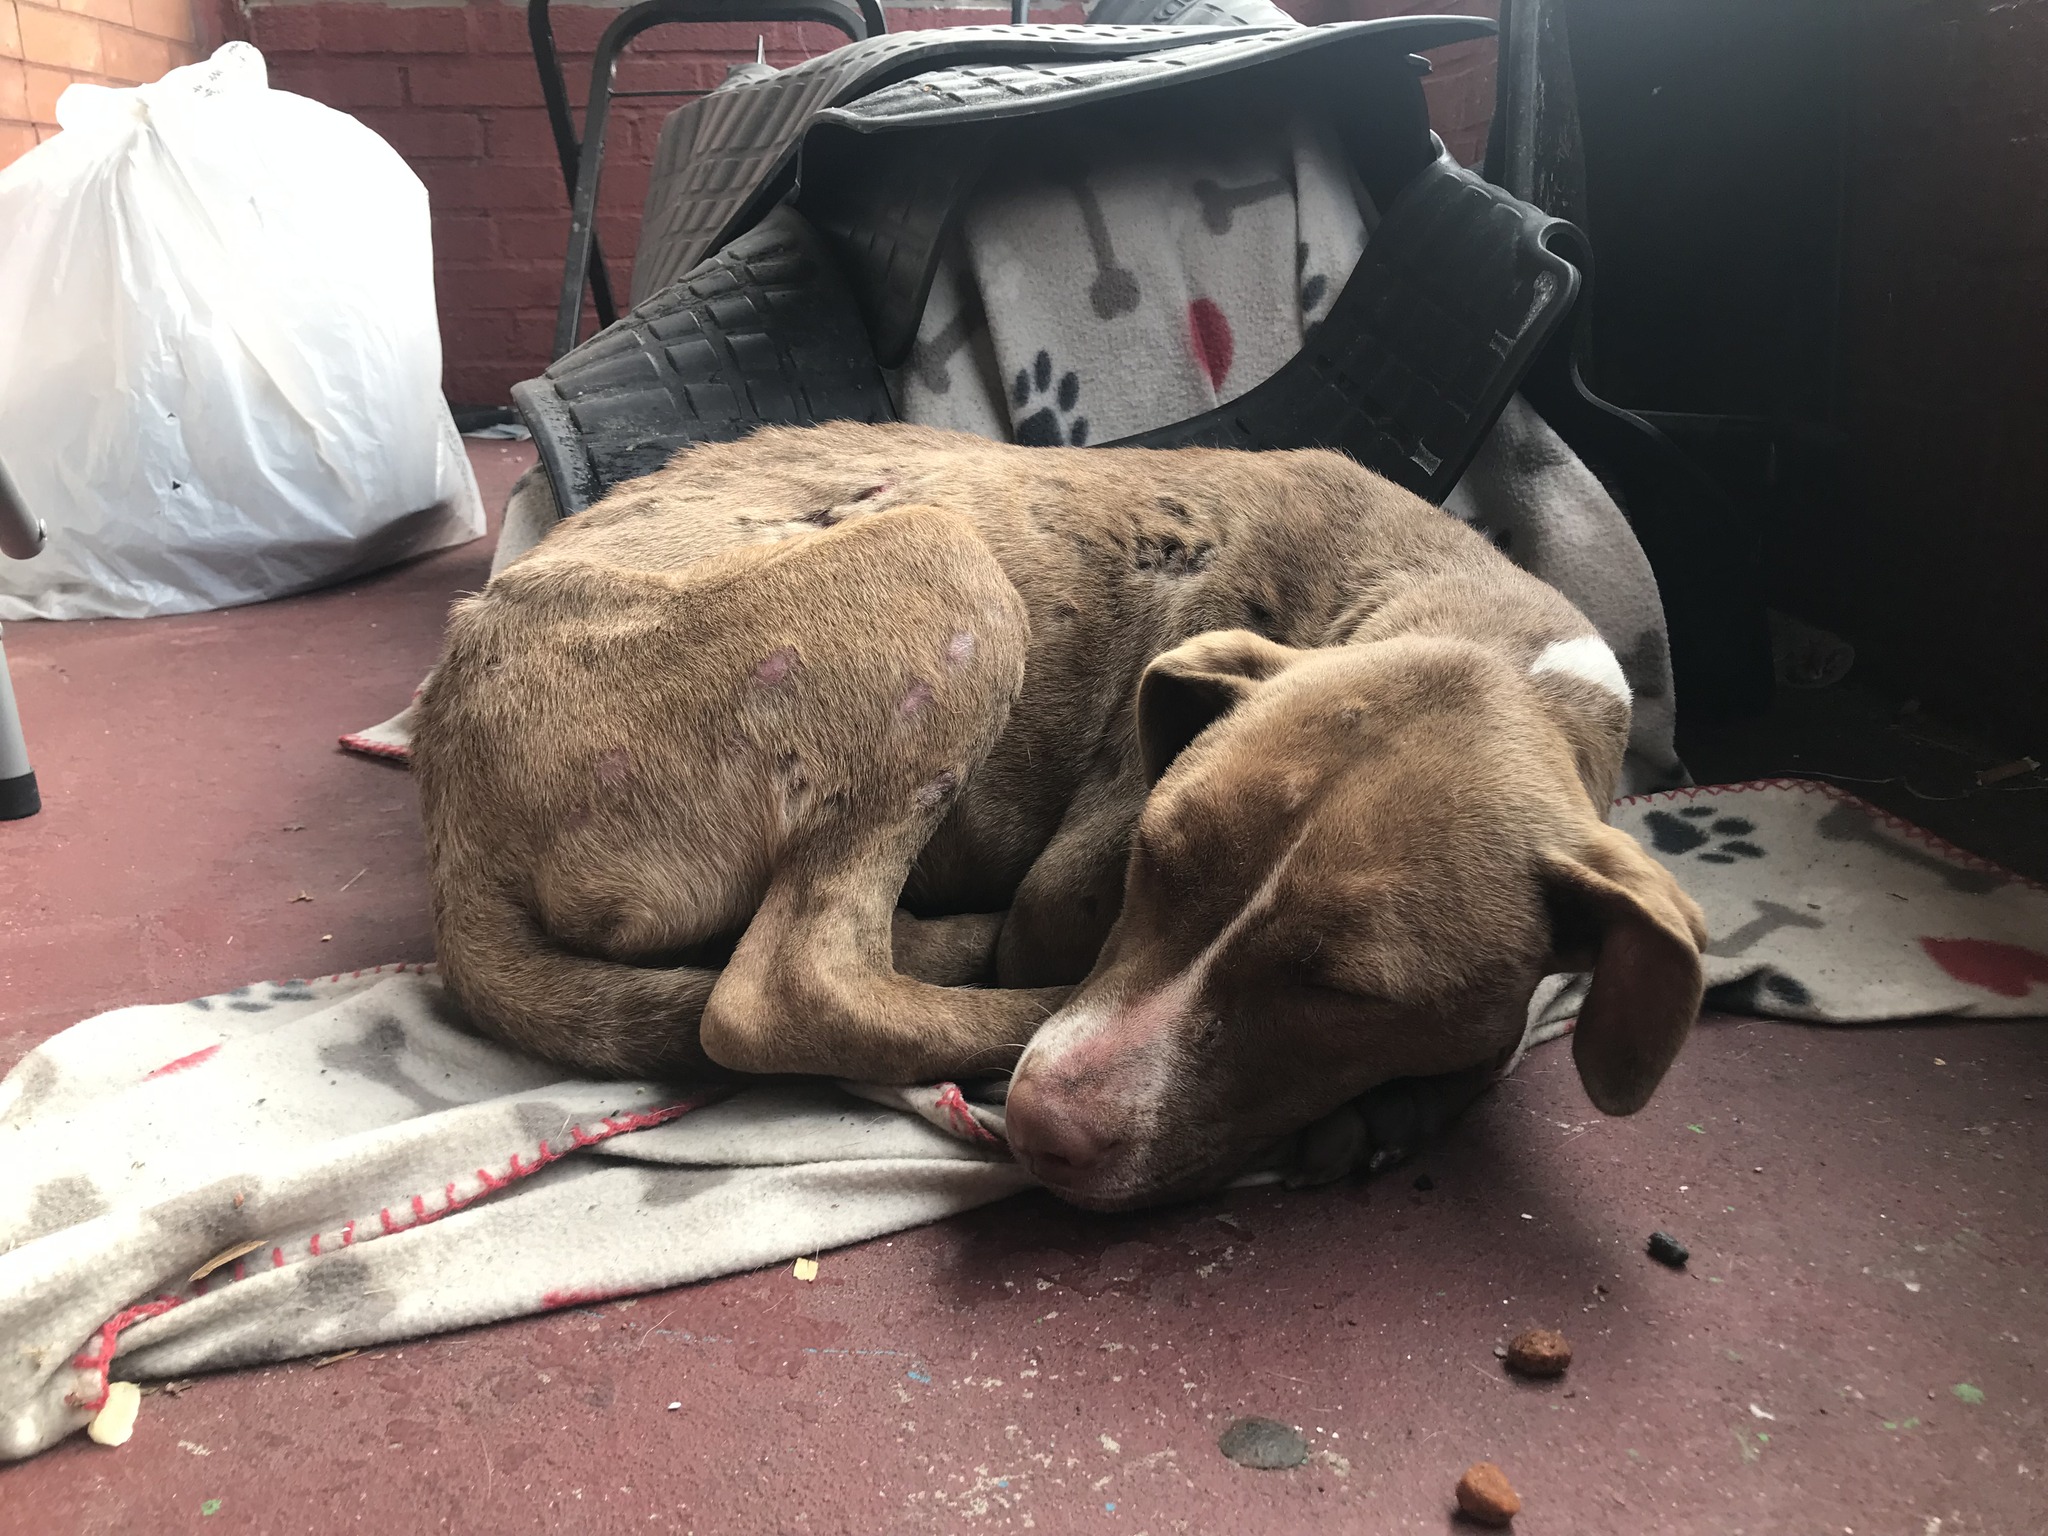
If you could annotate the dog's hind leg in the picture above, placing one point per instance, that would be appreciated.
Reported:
(812, 987)
(910, 649)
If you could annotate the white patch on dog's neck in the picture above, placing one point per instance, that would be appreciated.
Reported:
(1587, 657)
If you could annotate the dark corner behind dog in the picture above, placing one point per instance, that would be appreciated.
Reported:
(1235, 803)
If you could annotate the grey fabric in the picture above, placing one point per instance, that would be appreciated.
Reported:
(385, 1173)
(1537, 501)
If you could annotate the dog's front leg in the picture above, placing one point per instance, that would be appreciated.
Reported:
(946, 951)
(1070, 897)
(1385, 1126)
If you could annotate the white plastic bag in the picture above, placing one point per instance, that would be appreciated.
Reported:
(219, 359)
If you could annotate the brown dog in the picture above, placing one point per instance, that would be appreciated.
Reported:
(759, 760)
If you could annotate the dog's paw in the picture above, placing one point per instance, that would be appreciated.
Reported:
(1381, 1129)
(1332, 1148)
(1053, 424)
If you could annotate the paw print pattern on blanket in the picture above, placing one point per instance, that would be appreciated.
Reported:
(1697, 826)
(1313, 290)
(245, 1000)
(1053, 424)
(1766, 992)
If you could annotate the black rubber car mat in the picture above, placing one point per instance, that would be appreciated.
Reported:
(1189, 13)
(743, 139)
(763, 334)
(1458, 291)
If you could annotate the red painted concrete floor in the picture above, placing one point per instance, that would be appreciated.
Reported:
(1866, 1224)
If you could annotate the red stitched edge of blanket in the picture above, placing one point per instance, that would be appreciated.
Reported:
(965, 1126)
(1912, 831)
(363, 744)
(99, 1358)
(395, 968)
(414, 1211)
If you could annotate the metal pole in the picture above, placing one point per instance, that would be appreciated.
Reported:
(21, 538)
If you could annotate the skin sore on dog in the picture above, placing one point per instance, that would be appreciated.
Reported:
(774, 669)
(960, 649)
(1166, 554)
(615, 767)
(915, 697)
(1587, 658)
(833, 516)
(938, 790)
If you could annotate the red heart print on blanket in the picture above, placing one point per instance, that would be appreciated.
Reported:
(1209, 333)
(2006, 969)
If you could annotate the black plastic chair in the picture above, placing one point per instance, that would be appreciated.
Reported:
(583, 162)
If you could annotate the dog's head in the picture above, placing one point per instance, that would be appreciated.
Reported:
(1355, 865)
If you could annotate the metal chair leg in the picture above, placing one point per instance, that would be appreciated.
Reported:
(18, 794)
(853, 18)
(21, 536)
(554, 90)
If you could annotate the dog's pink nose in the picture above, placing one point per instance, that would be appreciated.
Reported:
(1051, 1138)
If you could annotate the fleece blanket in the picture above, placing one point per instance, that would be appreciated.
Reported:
(300, 1167)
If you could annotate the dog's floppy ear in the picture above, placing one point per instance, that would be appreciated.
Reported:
(1617, 912)
(1187, 689)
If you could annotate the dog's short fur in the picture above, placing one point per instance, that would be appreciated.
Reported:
(1249, 781)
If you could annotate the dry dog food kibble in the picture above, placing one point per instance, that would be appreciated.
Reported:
(1484, 1495)
(1539, 1352)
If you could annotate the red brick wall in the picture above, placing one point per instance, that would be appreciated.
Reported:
(46, 46)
